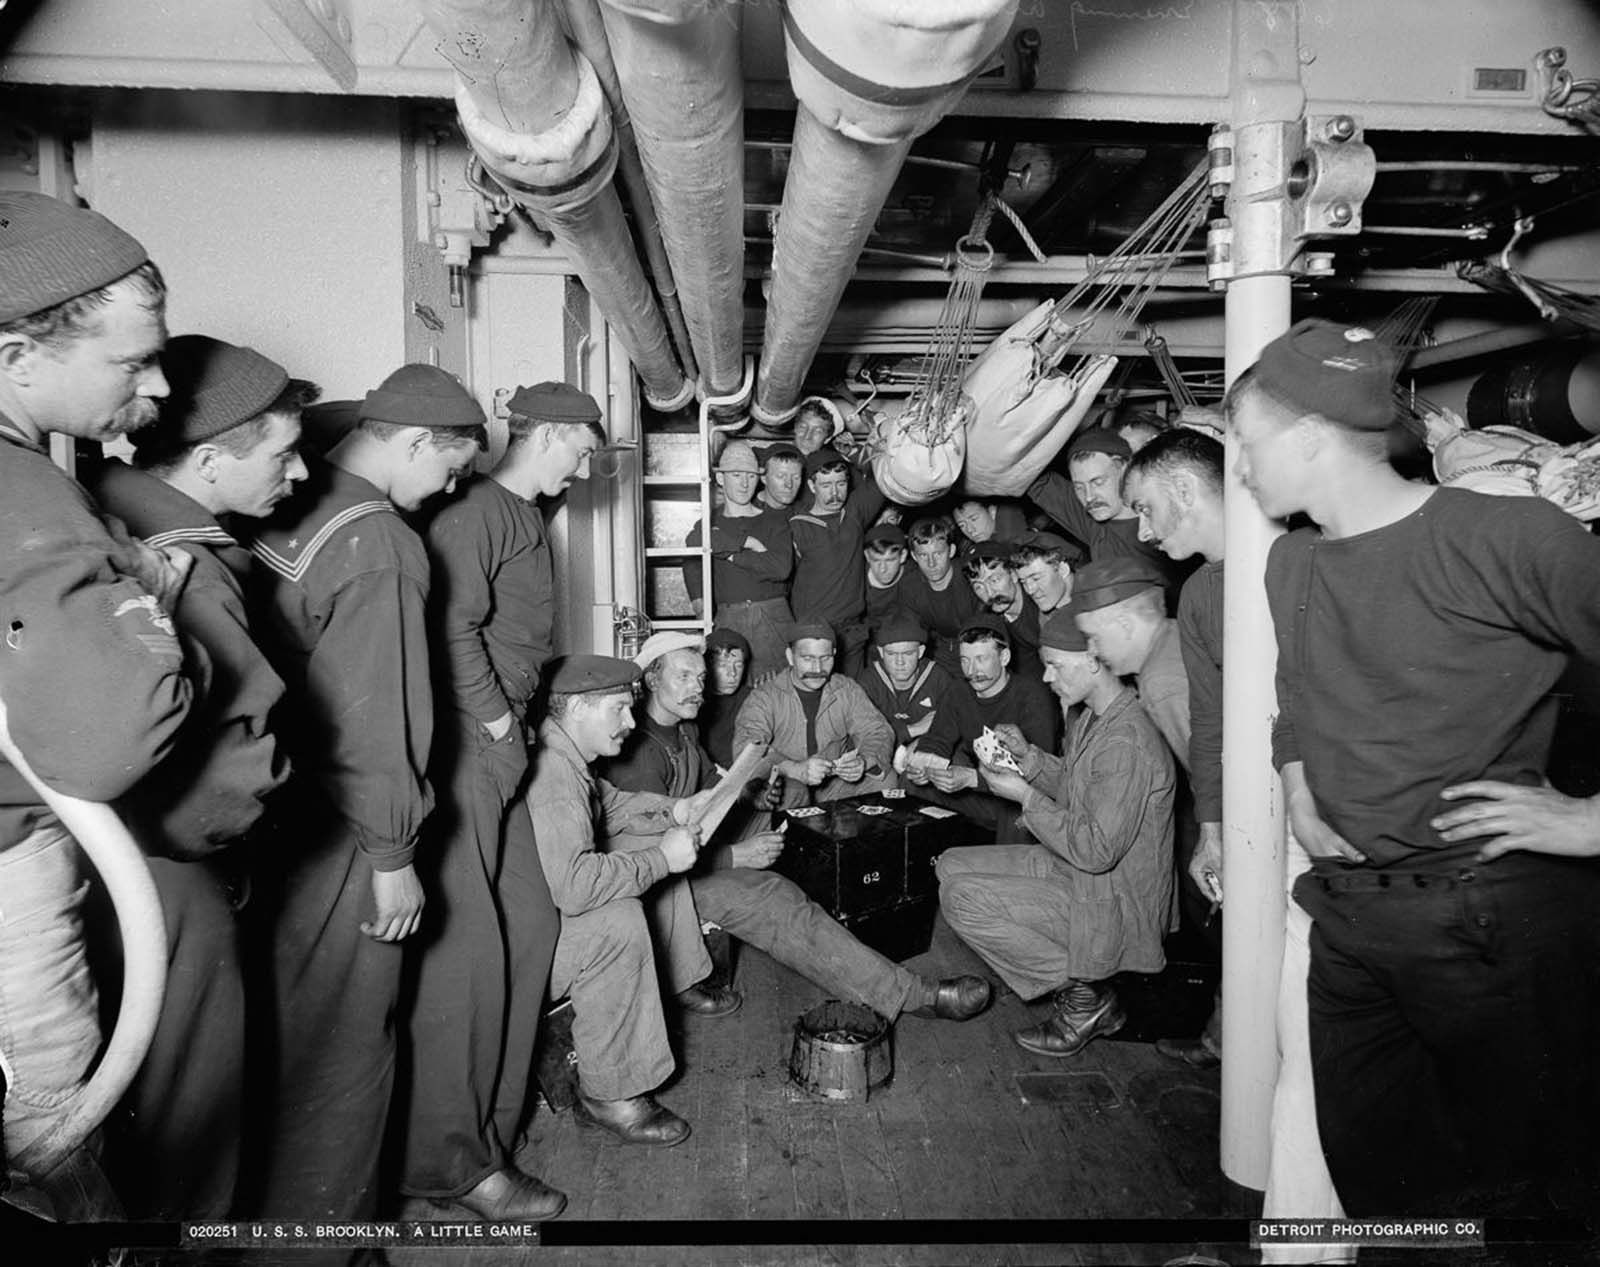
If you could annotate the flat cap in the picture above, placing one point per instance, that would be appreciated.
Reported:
(724, 639)
(423, 396)
(989, 623)
(554, 402)
(737, 455)
(1345, 373)
(1099, 440)
(1060, 632)
(799, 630)
(827, 455)
(899, 626)
(1106, 581)
(885, 534)
(52, 251)
(781, 453)
(588, 674)
(215, 387)
(658, 644)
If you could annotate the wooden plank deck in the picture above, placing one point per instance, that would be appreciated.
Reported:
(971, 1128)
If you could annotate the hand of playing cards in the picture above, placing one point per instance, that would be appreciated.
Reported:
(992, 752)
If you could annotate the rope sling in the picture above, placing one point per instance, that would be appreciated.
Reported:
(1025, 406)
(918, 453)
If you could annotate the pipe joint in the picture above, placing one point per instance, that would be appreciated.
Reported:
(773, 419)
(884, 72)
(671, 402)
(555, 171)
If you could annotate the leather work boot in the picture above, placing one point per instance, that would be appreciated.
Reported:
(710, 1000)
(957, 999)
(1074, 1022)
(639, 1120)
(508, 1195)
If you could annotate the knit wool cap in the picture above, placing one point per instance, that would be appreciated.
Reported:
(1060, 631)
(1099, 440)
(899, 626)
(658, 644)
(987, 622)
(423, 396)
(554, 402)
(737, 455)
(1107, 581)
(586, 674)
(1345, 373)
(827, 455)
(885, 534)
(800, 630)
(215, 387)
(722, 639)
(51, 251)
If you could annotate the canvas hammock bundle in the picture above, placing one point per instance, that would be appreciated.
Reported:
(918, 452)
(1027, 396)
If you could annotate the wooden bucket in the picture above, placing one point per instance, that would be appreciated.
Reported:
(841, 1051)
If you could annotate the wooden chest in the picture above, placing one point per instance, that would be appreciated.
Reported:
(868, 853)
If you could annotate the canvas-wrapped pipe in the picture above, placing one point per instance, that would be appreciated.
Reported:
(871, 77)
(533, 111)
(679, 63)
(589, 34)
(126, 876)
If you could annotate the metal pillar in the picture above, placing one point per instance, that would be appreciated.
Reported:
(1267, 94)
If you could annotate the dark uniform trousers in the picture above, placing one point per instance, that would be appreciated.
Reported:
(1453, 1026)
(488, 938)
(335, 992)
(185, 1105)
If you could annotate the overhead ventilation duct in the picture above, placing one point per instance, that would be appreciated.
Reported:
(534, 113)
(679, 63)
(871, 77)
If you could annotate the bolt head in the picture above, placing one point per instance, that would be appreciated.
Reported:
(1340, 213)
(1341, 127)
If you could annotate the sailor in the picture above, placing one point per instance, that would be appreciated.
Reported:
(341, 603)
(751, 561)
(782, 474)
(1420, 630)
(1043, 562)
(728, 686)
(91, 670)
(902, 683)
(1090, 506)
(492, 927)
(606, 954)
(987, 567)
(936, 590)
(225, 445)
(1064, 916)
(829, 535)
(884, 552)
(819, 727)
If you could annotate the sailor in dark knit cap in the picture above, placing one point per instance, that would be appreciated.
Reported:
(225, 445)
(91, 669)
(343, 592)
(492, 620)
(1091, 899)
(1453, 996)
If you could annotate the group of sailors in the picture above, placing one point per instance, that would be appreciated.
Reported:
(314, 672)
